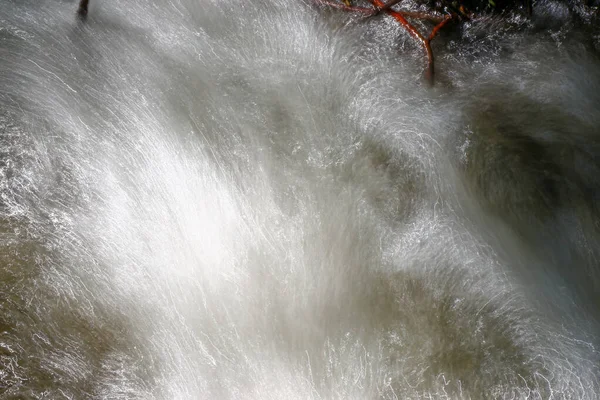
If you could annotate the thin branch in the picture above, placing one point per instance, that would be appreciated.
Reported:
(387, 6)
(401, 17)
(439, 26)
(429, 72)
(82, 11)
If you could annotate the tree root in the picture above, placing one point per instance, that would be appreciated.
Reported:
(401, 16)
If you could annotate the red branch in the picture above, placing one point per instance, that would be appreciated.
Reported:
(439, 26)
(401, 17)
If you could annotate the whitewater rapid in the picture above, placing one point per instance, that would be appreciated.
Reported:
(227, 199)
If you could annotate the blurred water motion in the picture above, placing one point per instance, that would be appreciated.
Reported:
(262, 200)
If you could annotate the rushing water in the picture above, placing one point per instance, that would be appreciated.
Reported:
(233, 199)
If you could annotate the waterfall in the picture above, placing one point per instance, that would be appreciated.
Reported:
(228, 199)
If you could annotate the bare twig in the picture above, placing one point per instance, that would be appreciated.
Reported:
(439, 26)
(82, 11)
(401, 17)
(387, 6)
(429, 72)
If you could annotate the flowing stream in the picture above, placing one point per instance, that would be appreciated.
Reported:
(234, 199)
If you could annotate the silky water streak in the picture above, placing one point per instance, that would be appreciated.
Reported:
(227, 199)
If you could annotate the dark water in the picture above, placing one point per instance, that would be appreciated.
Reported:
(264, 200)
